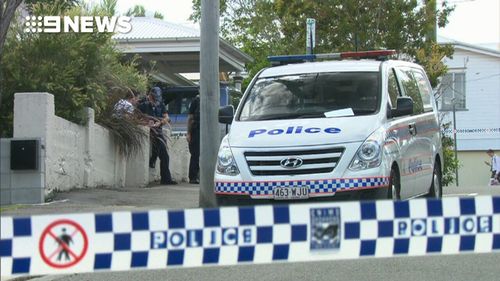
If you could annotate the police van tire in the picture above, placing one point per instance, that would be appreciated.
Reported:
(221, 201)
(394, 190)
(436, 189)
(227, 201)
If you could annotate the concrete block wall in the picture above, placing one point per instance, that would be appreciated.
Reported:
(5, 190)
(137, 169)
(68, 146)
(86, 156)
(178, 152)
(21, 187)
(101, 158)
(64, 154)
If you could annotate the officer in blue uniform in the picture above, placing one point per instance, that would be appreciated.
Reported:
(155, 109)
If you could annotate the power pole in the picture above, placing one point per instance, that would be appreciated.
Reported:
(430, 6)
(455, 139)
(209, 99)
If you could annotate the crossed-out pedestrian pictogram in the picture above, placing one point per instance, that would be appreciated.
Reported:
(63, 244)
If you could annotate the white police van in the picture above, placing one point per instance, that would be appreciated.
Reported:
(356, 129)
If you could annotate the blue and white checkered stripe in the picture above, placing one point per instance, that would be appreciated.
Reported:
(421, 227)
(316, 187)
(262, 234)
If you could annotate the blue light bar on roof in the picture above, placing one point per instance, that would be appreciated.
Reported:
(291, 58)
(277, 60)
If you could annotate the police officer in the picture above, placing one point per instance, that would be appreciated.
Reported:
(193, 138)
(154, 108)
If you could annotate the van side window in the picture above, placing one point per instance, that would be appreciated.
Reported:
(424, 88)
(392, 88)
(410, 89)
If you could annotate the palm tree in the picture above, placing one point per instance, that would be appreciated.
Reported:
(109, 6)
(158, 15)
(136, 11)
(140, 11)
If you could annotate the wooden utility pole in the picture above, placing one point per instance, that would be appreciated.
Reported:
(209, 99)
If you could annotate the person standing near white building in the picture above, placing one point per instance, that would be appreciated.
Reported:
(495, 166)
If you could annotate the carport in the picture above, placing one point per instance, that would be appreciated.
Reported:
(175, 49)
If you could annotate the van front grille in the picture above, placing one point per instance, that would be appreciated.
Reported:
(312, 161)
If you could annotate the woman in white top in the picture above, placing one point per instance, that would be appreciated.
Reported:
(127, 104)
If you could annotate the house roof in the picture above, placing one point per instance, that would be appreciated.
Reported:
(175, 49)
(151, 28)
(468, 46)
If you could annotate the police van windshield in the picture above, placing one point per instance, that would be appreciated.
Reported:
(312, 95)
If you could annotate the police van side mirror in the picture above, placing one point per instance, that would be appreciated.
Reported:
(226, 114)
(404, 107)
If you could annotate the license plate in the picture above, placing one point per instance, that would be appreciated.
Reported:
(291, 193)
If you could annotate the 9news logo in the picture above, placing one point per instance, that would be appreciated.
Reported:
(78, 24)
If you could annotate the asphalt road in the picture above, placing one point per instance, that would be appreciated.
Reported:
(455, 267)
(436, 268)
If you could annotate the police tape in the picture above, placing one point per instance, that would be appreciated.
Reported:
(72, 243)
(473, 130)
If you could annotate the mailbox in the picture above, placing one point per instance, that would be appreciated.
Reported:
(24, 154)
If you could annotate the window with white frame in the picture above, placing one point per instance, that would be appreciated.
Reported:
(453, 91)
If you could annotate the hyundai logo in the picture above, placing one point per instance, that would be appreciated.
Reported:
(291, 162)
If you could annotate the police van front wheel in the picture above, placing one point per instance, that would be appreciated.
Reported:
(436, 189)
(394, 191)
(221, 201)
(229, 201)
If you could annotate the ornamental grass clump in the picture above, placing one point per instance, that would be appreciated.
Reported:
(128, 130)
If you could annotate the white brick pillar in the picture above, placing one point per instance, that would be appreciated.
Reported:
(88, 154)
(33, 115)
(33, 119)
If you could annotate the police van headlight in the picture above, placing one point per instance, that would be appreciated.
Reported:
(369, 154)
(226, 165)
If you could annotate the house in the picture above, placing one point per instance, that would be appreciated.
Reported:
(472, 85)
(175, 51)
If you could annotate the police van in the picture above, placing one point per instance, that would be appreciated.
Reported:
(361, 128)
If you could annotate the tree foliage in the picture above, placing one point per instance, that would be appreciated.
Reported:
(431, 58)
(450, 163)
(7, 12)
(140, 11)
(79, 69)
(136, 11)
(264, 28)
(109, 6)
(158, 15)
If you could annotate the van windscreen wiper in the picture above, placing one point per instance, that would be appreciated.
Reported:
(282, 116)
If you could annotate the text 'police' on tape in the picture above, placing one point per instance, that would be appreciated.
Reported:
(71, 243)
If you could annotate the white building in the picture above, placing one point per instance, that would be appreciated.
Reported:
(473, 85)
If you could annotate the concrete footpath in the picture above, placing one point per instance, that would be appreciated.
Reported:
(181, 196)
(96, 200)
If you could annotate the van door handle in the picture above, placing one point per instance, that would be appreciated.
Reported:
(412, 128)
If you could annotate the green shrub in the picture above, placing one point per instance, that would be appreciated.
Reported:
(79, 69)
(449, 162)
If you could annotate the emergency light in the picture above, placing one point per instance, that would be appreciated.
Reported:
(287, 59)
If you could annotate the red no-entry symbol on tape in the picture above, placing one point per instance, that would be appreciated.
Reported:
(63, 244)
